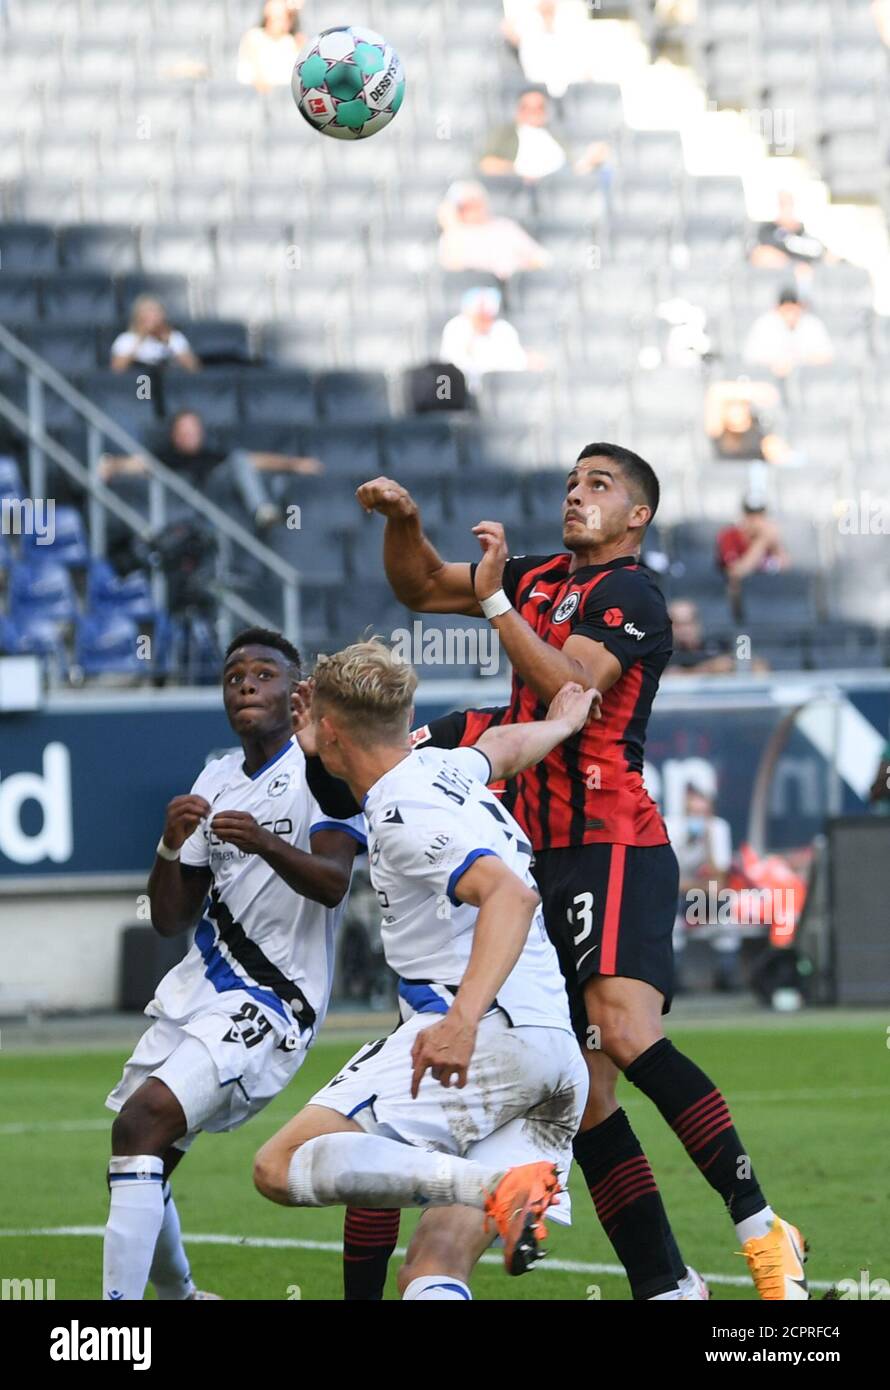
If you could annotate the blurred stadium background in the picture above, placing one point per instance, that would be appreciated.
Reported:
(580, 226)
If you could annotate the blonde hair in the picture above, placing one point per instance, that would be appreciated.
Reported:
(369, 684)
(141, 302)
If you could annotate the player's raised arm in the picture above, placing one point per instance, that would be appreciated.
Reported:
(177, 891)
(420, 578)
(510, 748)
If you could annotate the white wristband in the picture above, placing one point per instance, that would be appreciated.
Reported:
(163, 852)
(495, 605)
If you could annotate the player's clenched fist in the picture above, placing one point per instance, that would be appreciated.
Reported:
(387, 497)
(239, 828)
(184, 814)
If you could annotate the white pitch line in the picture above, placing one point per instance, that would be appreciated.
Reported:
(55, 1127)
(333, 1247)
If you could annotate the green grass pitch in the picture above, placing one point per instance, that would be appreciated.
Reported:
(810, 1098)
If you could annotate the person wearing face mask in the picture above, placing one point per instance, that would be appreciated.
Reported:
(703, 844)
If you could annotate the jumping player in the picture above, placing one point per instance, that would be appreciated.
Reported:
(483, 998)
(233, 1020)
(607, 874)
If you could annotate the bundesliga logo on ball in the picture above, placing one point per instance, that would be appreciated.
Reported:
(348, 83)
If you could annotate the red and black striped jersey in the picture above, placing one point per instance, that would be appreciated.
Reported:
(589, 789)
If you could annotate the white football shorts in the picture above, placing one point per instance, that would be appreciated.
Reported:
(251, 1063)
(525, 1094)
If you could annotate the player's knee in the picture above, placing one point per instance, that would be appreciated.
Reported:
(149, 1122)
(270, 1169)
(620, 1036)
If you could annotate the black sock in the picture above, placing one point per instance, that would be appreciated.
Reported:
(369, 1238)
(629, 1205)
(699, 1116)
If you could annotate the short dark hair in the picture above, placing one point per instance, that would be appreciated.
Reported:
(640, 473)
(789, 296)
(266, 637)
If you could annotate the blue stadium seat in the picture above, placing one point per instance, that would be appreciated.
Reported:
(107, 644)
(344, 397)
(116, 394)
(69, 542)
(41, 589)
(11, 484)
(350, 450)
(128, 594)
(79, 297)
(171, 290)
(213, 394)
(92, 246)
(69, 348)
(224, 341)
(271, 395)
(417, 447)
(27, 246)
(19, 299)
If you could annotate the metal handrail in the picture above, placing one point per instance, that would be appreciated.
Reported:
(161, 478)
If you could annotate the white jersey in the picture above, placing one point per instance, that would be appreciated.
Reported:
(257, 935)
(429, 819)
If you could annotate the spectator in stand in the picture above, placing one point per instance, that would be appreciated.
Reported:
(187, 452)
(703, 845)
(751, 544)
(150, 341)
(528, 149)
(786, 242)
(881, 12)
(267, 53)
(478, 340)
(787, 337)
(736, 421)
(554, 41)
(473, 239)
(694, 653)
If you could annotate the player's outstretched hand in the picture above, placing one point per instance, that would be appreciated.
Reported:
(489, 576)
(239, 828)
(445, 1050)
(575, 705)
(184, 815)
(387, 497)
(301, 716)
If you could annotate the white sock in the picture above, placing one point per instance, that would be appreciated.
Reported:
(135, 1218)
(364, 1170)
(170, 1271)
(756, 1226)
(691, 1286)
(443, 1288)
(671, 1296)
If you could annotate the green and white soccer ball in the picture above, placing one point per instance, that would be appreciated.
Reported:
(348, 83)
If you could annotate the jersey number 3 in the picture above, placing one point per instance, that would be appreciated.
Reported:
(581, 912)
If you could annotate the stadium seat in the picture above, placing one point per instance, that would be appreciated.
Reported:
(79, 297)
(499, 444)
(116, 394)
(218, 341)
(107, 644)
(214, 395)
(27, 246)
(68, 545)
(414, 447)
(172, 290)
(19, 299)
(277, 396)
(41, 588)
(517, 396)
(352, 396)
(129, 594)
(70, 349)
(11, 484)
(168, 247)
(102, 248)
(349, 450)
(121, 198)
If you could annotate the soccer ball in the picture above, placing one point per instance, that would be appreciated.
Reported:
(348, 83)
